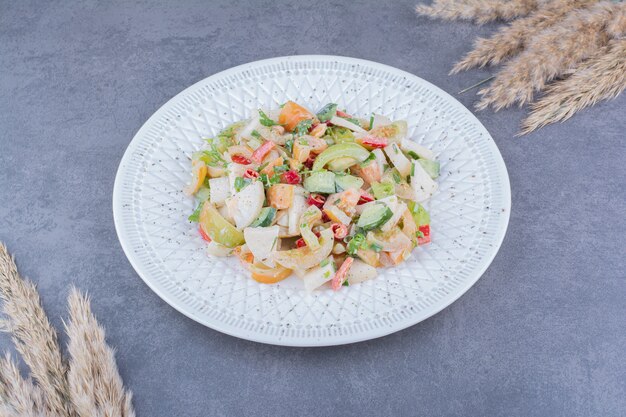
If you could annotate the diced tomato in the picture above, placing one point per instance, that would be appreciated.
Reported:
(325, 217)
(240, 159)
(309, 162)
(316, 200)
(425, 229)
(365, 198)
(343, 114)
(262, 151)
(203, 234)
(342, 272)
(374, 142)
(291, 177)
(339, 230)
(250, 173)
(300, 243)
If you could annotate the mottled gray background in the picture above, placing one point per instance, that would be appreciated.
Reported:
(543, 333)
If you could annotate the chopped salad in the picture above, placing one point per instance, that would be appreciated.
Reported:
(325, 195)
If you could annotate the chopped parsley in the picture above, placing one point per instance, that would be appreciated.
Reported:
(324, 262)
(396, 176)
(195, 216)
(255, 134)
(213, 157)
(355, 244)
(371, 122)
(413, 155)
(376, 247)
(353, 120)
(281, 168)
(266, 121)
(269, 181)
(241, 183)
(419, 233)
(346, 284)
(327, 274)
(303, 127)
(327, 112)
(369, 159)
(412, 169)
(289, 145)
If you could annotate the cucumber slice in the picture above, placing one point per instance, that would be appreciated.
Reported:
(430, 166)
(320, 182)
(265, 217)
(341, 164)
(382, 189)
(374, 216)
(327, 112)
(344, 182)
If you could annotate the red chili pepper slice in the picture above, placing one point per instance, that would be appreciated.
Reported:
(240, 159)
(290, 177)
(365, 198)
(343, 114)
(250, 173)
(262, 151)
(204, 235)
(341, 274)
(300, 243)
(310, 160)
(374, 142)
(316, 200)
(339, 230)
(425, 229)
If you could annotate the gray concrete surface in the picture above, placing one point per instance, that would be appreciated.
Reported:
(543, 333)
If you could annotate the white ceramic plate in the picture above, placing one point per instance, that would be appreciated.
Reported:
(469, 213)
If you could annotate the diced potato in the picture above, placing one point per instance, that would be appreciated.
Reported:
(248, 204)
(397, 158)
(262, 243)
(421, 182)
(220, 190)
(319, 275)
(380, 159)
(360, 272)
(280, 196)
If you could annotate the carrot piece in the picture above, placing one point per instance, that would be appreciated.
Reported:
(291, 114)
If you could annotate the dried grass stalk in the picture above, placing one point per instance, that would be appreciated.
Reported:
(19, 396)
(480, 11)
(95, 384)
(33, 335)
(511, 39)
(600, 78)
(550, 54)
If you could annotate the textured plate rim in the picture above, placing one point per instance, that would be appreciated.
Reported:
(426, 313)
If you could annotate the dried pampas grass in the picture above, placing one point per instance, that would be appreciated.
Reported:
(568, 49)
(90, 386)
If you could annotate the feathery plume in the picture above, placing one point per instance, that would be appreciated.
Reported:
(510, 40)
(480, 11)
(33, 335)
(19, 396)
(549, 54)
(95, 384)
(602, 77)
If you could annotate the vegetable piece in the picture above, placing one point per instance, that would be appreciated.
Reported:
(215, 172)
(341, 164)
(340, 121)
(291, 114)
(316, 200)
(262, 151)
(336, 215)
(372, 142)
(265, 218)
(295, 211)
(265, 120)
(395, 132)
(303, 127)
(320, 182)
(374, 216)
(397, 158)
(346, 200)
(422, 184)
(319, 130)
(264, 275)
(301, 151)
(408, 145)
(308, 219)
(247, 204)
(369, 173)
(220, 190)
(409, 227)
(280, 196)
(318, 276)
(291, 177)
(241, 183)
(365, 198)
(369, 256)
(398, 210)
(347, 181)
(327, 112)
(423, 234)
(378, 121)
(305, 258)
(343, 150)
(420, 214)
(360, 272)
(203, 235)
(357, 242)
(317, 145)
(216, 249)
(337, 135)
(251, 174)
(431, 167)
(342, 273)
(339, 230)
(218, 229)
(262, 243)
(382, 189)
(269, 168)
(390, 241)
(198, 171)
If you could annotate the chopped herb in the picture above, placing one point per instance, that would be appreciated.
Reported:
(346, 284)
(327, 112)
(412, 169)
(303, 141)
(385, 167)
(213, 157)
(395, 148)
(353, 120)
(203, 193)
(355, 244)
(376, 247)
(419, 233)
(369, 159)
(413, 155)
(371, 121)
(324, 262)
(282, 105)
(275, 179)
(262, 166)
(396, 176)
(289, 145)
(303, 127)
(241, 183)
(327, 274)
(266, 121)
(336, 201)
(281, 168)
(303, 225)
(255, 134)
(195, 216)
